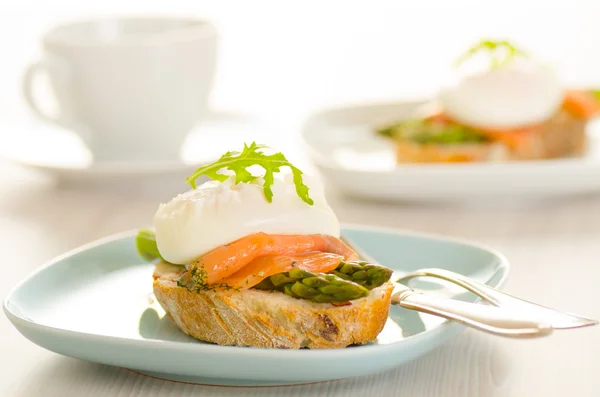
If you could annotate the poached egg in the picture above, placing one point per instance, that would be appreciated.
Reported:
(217, 213)
(517, 94)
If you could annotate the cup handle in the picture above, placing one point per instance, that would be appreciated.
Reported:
(28, 92)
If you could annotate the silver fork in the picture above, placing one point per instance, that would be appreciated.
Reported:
(509, 316)
(557, 319)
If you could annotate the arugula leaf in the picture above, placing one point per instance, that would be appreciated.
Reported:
(252, 154)
(500, 52)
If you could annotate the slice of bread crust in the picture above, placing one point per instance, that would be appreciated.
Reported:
(270, 319)
(410, 152)
(562, 136)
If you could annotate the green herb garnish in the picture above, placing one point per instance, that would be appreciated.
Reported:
(596, 94)
(252, 155)
(430, 131)
(500, 52)
(145, 242)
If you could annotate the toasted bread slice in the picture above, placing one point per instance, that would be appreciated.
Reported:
(411, 152)
(562, 136)
(269, 319)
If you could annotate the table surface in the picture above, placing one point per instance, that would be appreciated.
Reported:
(553, 247)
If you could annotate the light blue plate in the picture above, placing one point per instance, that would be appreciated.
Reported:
(96, 304)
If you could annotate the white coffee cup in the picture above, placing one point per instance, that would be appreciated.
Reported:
(132, 88)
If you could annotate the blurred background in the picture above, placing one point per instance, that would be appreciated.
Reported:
(280, 60)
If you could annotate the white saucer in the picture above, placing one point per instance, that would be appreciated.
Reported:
(61, 154)
(349, 155)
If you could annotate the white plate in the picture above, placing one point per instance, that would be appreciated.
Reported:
(96, 303)
(342, 144)
(62, 154)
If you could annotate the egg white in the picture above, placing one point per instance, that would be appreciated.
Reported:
(514, 95)
(217, 213)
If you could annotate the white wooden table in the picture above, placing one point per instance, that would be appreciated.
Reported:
(322, 53)
(553, 246)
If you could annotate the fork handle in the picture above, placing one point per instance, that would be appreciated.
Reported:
(491, 319)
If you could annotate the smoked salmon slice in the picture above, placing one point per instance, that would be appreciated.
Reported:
(512, 137)
(265, 266)
(226, 260)
(581, 104)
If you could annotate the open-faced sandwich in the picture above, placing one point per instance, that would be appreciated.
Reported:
(254, 259)
(512, 108)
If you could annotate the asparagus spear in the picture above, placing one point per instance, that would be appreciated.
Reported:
(316, 287)
(145, 242)
(366, 274)
(350, 280)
